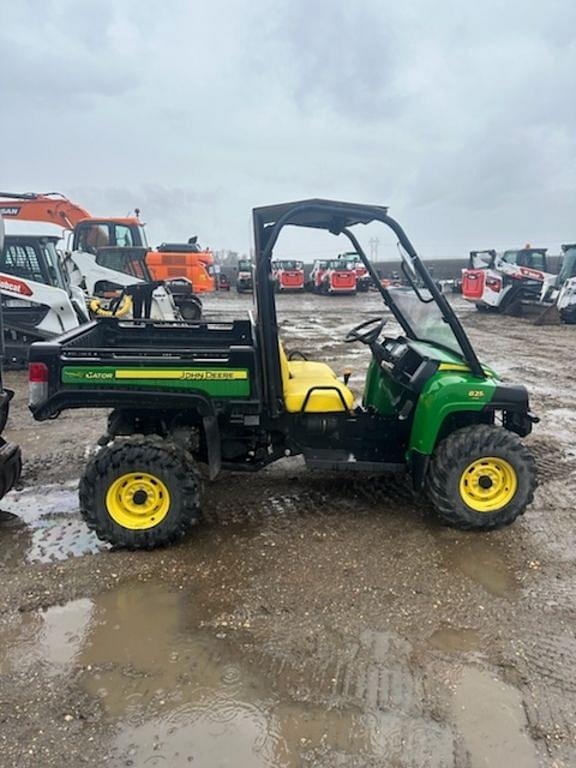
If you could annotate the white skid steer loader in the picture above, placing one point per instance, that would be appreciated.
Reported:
(116, 277)
(37, 300)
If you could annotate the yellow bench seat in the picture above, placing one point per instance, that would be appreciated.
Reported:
(300, 376)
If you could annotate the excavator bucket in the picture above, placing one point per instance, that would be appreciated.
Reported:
(548, 316)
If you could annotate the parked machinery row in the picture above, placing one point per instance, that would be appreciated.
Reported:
(344, 274)
(516, 280)
(106, 268)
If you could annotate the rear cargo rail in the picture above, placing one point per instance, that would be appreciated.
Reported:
(111, 363)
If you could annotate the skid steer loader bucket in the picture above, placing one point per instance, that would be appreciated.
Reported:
(548, 316)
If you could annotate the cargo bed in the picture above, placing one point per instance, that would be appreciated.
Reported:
(111, 363)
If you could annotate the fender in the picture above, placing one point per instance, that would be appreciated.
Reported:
(446, 393)
(464, 395)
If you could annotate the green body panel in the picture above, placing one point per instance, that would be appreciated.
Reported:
(452, 389)
(380, 391)
(216, 382)
(445, 393)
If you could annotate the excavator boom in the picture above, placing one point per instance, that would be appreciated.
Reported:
(50, 207)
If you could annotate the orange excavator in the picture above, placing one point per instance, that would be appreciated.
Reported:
(104, 246)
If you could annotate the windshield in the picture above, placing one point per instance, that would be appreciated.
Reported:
(424, 317)
(129, 261)
(525, 258)
(342, 265)
(568, 265)
(420, 311)
(288, 265)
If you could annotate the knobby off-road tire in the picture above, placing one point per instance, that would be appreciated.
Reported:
(463, 455)
(111, 483)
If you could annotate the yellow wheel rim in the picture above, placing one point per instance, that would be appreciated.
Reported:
(488, 484)
(138, 501)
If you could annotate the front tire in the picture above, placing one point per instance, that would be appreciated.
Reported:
(568, 316)
(481, 478)
(140, 493)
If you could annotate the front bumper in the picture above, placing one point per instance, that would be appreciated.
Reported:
(512, 400)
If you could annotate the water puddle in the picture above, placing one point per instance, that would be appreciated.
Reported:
(33, 503)
(52, 530)
(485, 563)
(51, 638)
(491, 719)
(179, 692)
(452, 640)
(182, 694)
(182, 687)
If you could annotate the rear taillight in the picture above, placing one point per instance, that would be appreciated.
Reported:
(494, 284)
(37, 373)
(37, 383)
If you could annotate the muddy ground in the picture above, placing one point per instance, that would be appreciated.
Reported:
(310, 620)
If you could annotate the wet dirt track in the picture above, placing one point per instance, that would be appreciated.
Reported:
(311, 620)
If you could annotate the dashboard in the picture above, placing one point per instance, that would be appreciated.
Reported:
(404, 364)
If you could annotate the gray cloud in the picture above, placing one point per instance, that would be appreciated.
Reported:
(459, 115)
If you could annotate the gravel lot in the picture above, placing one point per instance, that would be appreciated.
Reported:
(311, 620)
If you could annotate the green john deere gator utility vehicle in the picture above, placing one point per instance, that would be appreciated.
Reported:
(226, 395)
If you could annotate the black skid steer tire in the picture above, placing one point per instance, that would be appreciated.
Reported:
(190, 310)
(478, 446)
(160, 465)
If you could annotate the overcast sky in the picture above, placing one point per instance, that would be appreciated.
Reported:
(461, 116)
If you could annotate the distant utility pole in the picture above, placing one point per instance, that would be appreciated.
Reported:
(374, 242)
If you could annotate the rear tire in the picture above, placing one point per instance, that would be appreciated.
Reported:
(140, 493)
(190, 310)
(481, 478)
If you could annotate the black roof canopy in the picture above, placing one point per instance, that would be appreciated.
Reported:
(332, 215)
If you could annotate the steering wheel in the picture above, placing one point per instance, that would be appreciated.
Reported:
(369, 336)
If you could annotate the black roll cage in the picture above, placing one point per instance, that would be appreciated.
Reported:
(337, 218)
